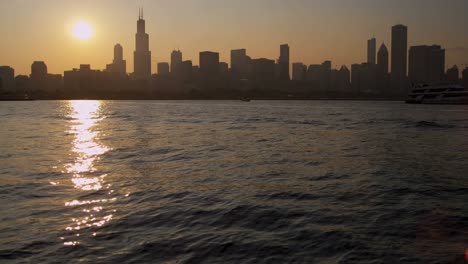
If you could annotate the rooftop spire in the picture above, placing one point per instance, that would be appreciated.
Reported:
(140, 13)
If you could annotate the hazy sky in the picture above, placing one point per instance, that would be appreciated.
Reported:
(316, 30)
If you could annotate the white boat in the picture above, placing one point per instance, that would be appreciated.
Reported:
(438, 94)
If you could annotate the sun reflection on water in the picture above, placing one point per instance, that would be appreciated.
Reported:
(85, 152)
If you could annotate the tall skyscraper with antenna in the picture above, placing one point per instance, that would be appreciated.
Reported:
(142, 54)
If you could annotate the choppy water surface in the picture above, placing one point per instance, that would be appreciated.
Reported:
(217, 182)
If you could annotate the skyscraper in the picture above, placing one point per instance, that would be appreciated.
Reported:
(399, 52)
(209, 63)
(176, 61)
(283, 62)
(119, 65)
(371, 50)
(142, 54)
(299, 71)
(7, 78)
(426, 64)
(239, 63)
(163, 68)
(382, 59)
(453, 74)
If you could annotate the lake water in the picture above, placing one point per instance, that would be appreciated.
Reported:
(233, 182)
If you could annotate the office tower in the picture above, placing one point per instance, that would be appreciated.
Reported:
(119, 65)
(426, 64)
(239, 63)
(176, 61)
(465, 77)
(142, 54)
(223, 67)
(209, 63)
(299, 71)
(7, 78)
(344, 79)
(186, 70)
(399, 52)
(263, 69)
(382, 59)
(163, 68)
(371, 50)
(453, 75)
(38, 70)
(283, 62)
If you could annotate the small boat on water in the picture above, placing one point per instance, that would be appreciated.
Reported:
(438, 94)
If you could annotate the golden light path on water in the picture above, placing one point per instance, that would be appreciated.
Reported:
(86, 150)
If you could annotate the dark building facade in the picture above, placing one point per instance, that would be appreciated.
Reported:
(209, 63)
(7, 78)
(399, 52)
(371, 50)
(382, 59)
(239, 63)
(118, 65)
(453, 74)
(283, 62)
(263, 69)
(465, 77)
(176, 61)
(426, 64)
(142, 54)
(299, 71)
(163, 69)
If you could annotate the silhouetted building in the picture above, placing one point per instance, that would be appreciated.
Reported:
(340, 80)
(163, 69)
(22, 84)
(299, 71)
(85, 82)
(142, 54)
(176, 61)
(465, 77)
(186, 70)
(283, 62)
(371, 50)
(382, 59)
(239, 63)
(209, 64)
(263, 69)
(7, 78)
(320, 75)
(453, 75)
(119, 65)
(399, 52)
(426, 64)
(364, 78)
(38, 70)
(223, 67)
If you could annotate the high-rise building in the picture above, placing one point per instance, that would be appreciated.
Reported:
(142, 54)
(371, 50)
(382, 59)
(299, 71)
(186, 70)
(283, 62)
(223, 67)
(399, 52)
(426, 64)
(38, 70)
(453, 75)
(263, 69)
(163, 68)
(7, 78)
(239, 63)
(465, 77)
(209, 63)
(119, 65)
(176, 61)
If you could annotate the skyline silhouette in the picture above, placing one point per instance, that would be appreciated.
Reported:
(319, 31)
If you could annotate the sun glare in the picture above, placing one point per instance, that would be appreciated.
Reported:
(82, 30)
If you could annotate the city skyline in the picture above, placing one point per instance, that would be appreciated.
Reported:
(302, 49)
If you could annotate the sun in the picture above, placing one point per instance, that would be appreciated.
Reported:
(82, 30)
